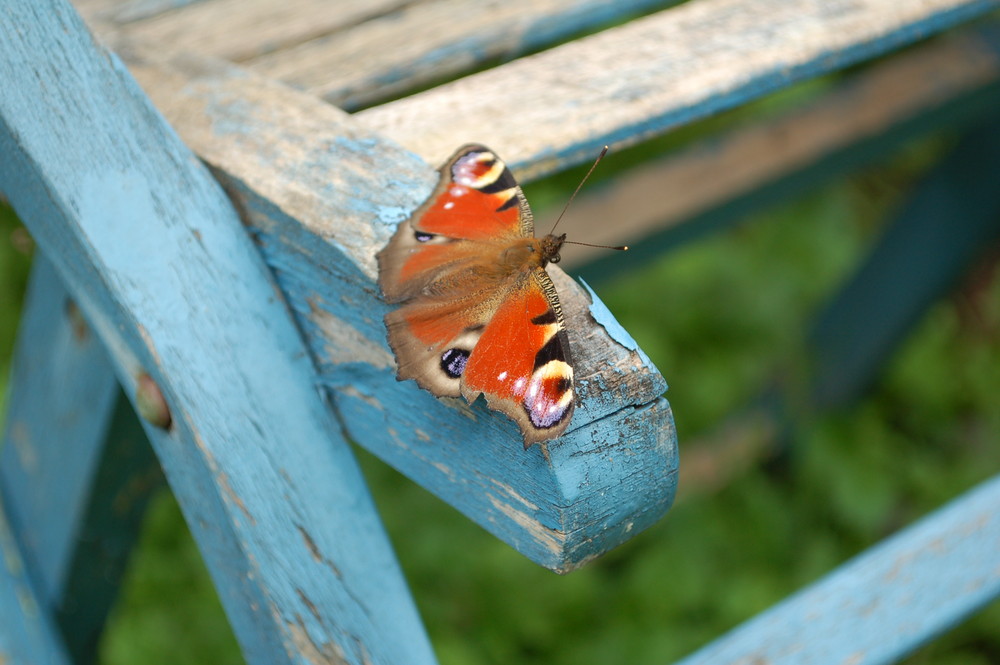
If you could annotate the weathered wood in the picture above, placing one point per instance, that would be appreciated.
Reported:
(124, 11)
(660, 195)
(158, 262)
(339, 50)
(322, 196)
(240, 29)
(430, 41)
(76, 468)
(948, 223)
(884, 603)
(27, 632)
(632, 82)
(62, 396)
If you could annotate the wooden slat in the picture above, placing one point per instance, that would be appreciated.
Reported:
(123, 11)
(322, 196)
(659, 195)
(156, 258)
(429, 41)
(63, 393)
(884, 603)
(27, 632)
(239, 29)
(633, 82)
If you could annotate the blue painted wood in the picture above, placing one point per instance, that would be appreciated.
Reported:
(956, 113)
(155, 257)
(63, 393)
(322, 195)
(136, 10)
(27, 632)
(75, 466)
(887, 601)
(561, 107)
(952, 218)
(359, 72)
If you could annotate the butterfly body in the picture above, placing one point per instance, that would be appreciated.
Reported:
(478, 313)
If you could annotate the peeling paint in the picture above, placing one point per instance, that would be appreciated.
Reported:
(344, 344)
(550, 539)
(317, 555)
(20, 437)
(235, 499)
(514, 495)
(854, 658)
(327, 653)
(310, 543)
(29, 608)
(309, 604)
(445, 469)
(370, 400)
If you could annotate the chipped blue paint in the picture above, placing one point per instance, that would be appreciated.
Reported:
(554, 159)
(27, 633)
(606, 319)
(885, 602)
(156, 258)
(524, 33)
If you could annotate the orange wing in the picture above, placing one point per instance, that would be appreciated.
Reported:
(521, 363)
(477, 202)
(471, 322)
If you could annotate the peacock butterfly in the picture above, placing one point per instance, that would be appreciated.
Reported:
(477, 312)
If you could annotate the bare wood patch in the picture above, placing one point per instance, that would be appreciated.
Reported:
(638, 80)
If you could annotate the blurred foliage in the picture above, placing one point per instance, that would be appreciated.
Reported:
(721, 318)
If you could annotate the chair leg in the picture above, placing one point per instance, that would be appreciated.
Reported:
(76, 469)
(953, 215)
(27, 632)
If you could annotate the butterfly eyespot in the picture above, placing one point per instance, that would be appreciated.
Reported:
(453, 362)
(422, 237)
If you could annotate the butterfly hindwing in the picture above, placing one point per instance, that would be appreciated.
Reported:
(521, 362)
(478, 313)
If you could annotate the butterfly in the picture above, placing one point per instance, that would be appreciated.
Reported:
(477, 312)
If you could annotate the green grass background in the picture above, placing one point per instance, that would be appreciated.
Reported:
(719, 317)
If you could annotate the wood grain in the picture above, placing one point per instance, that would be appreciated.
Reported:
(240, 29)
(661, 194)
(322, 195)
(125, 11)
(638, 80)
(157, 260)
(430, 41)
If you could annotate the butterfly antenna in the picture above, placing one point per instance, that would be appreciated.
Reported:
(620, 248)
(566, 207)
